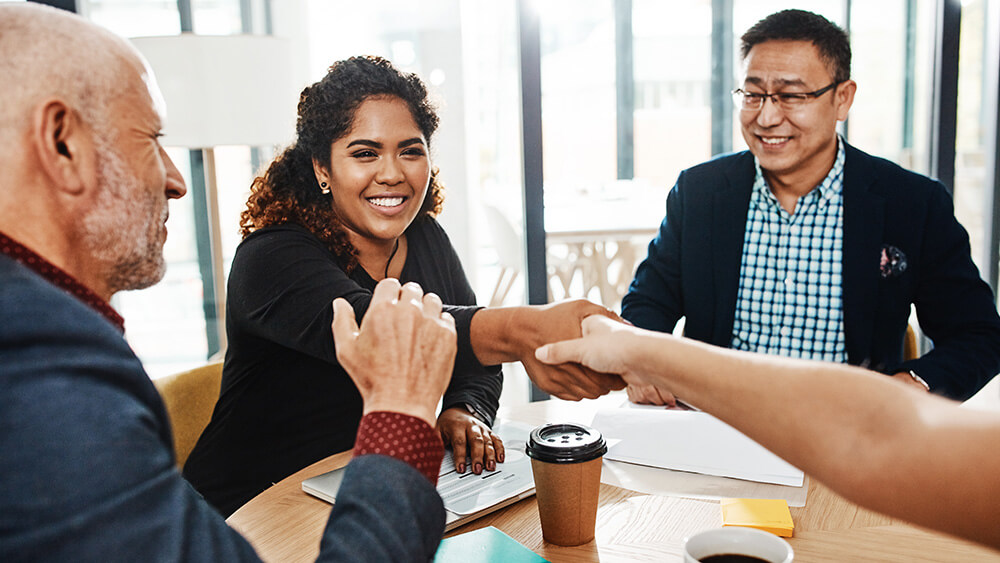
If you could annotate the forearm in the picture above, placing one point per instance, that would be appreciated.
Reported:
(879, 443)
(508, 334)
(807, 412)
(492, 333)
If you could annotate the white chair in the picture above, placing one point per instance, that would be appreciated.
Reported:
(507, 243)
(564, 261)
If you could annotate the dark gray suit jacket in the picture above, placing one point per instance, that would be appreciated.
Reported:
(693, 270)
(87, 465)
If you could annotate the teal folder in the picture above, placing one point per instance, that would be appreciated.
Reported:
(485, 545)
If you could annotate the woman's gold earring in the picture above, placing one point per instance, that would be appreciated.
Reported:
(323, 188)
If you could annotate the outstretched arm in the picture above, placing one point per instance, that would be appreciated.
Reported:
(879, 443)
(510, 334)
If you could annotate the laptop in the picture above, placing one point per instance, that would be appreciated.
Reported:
(466, 496)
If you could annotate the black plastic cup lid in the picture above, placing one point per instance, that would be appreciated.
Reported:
(565, 443)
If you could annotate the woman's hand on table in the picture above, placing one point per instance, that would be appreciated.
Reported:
(472, 438)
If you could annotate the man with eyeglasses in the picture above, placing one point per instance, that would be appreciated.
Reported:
(805, 246)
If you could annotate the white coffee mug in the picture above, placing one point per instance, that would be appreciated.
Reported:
(737, 541)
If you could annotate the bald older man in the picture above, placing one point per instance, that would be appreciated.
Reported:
(87, 470)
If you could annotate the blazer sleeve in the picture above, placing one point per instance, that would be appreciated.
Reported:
(385, 511)
(654, 300)
(955, 308)
(98, 482)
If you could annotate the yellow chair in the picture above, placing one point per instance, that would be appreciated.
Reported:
(910, 349)
(190, 397)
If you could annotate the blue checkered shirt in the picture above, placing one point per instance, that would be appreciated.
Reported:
(789, 301)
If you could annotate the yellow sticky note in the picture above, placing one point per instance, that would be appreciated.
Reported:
(770, 515)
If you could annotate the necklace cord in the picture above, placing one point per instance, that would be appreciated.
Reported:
(392, 255)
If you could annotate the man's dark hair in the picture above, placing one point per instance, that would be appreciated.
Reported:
(798, 25)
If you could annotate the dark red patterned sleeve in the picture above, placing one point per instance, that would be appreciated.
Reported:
(403, 437)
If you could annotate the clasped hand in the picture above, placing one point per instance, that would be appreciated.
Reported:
(561, 321)
(401, 357)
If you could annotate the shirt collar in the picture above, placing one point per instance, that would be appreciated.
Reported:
(59, 278)
(831, 185)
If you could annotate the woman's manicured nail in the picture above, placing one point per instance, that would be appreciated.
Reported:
(478, 468)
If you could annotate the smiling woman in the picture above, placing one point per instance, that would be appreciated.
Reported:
(350, 203)
(378, 176)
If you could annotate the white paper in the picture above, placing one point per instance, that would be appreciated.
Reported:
(667, 482)
(691, 441)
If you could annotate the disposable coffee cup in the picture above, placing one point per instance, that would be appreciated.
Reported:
(735, 544)
(566, 462)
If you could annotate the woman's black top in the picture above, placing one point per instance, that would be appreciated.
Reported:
(285, 401)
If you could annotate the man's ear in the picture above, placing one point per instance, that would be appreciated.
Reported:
(63, 146)
(844, 98)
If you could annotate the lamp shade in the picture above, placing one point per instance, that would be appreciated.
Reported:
(224, 90)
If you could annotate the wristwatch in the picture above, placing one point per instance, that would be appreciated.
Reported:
(919, 380)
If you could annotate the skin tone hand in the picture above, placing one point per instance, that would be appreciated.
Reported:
(644, 394)
(402, 355)
(513, 333)
(606, 358)
(466, 433)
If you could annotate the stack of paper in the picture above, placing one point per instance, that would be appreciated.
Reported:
(691, 441)
(770, 515)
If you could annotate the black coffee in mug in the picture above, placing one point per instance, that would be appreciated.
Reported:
(732, 558)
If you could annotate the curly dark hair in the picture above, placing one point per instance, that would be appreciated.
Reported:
(799, 25)
(288, 191)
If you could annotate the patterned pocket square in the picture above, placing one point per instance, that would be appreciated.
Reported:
(892, 262)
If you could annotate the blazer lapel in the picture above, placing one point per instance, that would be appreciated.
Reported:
(864, 214)
(729, 219)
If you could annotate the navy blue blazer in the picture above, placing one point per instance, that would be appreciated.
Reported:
(693, 270)
(87, 470)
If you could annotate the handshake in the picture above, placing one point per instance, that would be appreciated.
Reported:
(401, 357)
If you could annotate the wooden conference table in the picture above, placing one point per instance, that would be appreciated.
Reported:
(285, 524)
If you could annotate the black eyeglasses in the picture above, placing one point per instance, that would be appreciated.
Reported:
(753, 101)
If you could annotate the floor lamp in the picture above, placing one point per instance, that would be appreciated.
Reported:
(220, 90)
